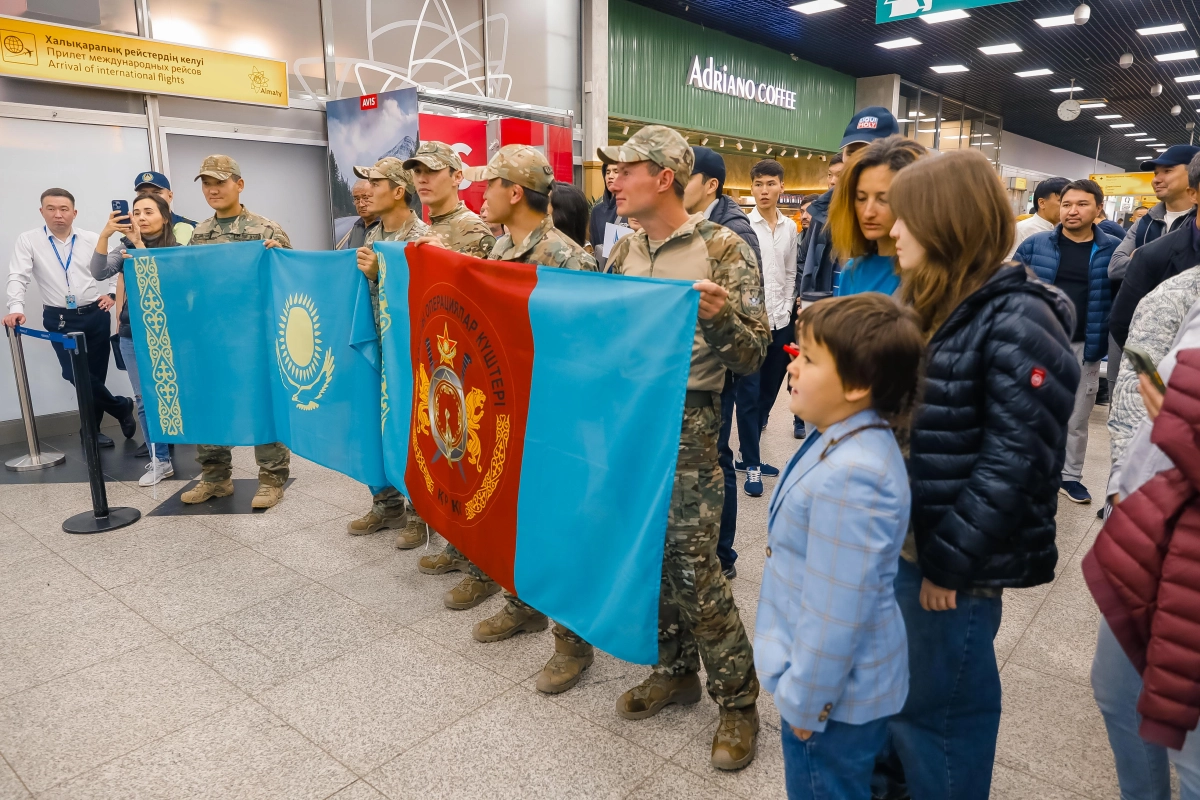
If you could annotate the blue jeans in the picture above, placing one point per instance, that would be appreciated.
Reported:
(946, 732)
(834, 764)
(1142, 770)
(127, 353)
(725, 552)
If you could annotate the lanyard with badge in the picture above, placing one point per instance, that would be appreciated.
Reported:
(70, 297)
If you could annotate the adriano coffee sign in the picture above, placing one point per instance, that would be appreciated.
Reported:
(712, 78)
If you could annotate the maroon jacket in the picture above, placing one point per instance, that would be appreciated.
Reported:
(1144, 569)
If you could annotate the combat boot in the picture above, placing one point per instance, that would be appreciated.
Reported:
(442, 563)
(657, 692)
(415, 534)
(470, 592)
(371, 522)
(267, 496)
(565, 667)
(206, 489)
(509, 621)
(736, 738)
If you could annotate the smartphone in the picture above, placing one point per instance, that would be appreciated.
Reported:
(121, 206)
(1143, 364)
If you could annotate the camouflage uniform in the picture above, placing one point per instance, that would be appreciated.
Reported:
(461, 230)
(216, 461)
(697, 613)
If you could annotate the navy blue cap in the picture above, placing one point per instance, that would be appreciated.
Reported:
(873, 122)
(710, 163)
(152, 178)
(1175, 155)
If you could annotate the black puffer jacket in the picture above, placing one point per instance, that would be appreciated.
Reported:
(988, 439)
(726, 212)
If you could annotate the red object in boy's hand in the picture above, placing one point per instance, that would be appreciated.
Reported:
(791, 350)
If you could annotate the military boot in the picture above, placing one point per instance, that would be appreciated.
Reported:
(509, 621)
(657, 692)
(565, 667)
(415, 533)
(470, 592)
(371, 522)
(206, 489)
(736, 737)
(442, 563)
(267, 496)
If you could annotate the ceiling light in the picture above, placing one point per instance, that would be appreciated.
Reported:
(770, 150)
(1194, 97)
(722, 141)
(754, 147)
(1066, 89)
(817, 6)
(907, 41)
(1146, 140)
(738, 145)
(1187, 78)
(796, 154)
(926, 130)
(1122, 125)
(1093, 105)
(810, 156)
(704, 141)
(1108, 116)
(1182, 55)
(822, 156)
(625, 130)
(1160, 150)
(1143, 133)
(1054, 22)
(1174, 27)
(1033, 73)
(944, 16)
(948, 68)
(1000, 49)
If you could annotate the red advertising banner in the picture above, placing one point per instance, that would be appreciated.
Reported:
(552, 140)
(468, 138)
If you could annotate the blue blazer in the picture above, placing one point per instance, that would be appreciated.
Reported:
(829, 642)
(1040, 253)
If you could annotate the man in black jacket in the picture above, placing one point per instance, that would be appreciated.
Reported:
(1154, 262)
(703, 195)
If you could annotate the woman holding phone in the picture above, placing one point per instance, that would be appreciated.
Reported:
(147, 226)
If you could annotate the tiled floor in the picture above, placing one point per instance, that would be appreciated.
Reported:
(273, 656)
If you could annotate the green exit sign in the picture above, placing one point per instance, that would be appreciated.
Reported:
(892, 10)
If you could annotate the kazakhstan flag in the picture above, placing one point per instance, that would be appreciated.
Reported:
(238, 344)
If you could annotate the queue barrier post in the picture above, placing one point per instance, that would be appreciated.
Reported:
(38, 458)
(101, 517)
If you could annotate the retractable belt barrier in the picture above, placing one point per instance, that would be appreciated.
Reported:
(38, 457)
(101, 517)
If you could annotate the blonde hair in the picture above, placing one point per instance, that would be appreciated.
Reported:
(955, 207)
(895, 153)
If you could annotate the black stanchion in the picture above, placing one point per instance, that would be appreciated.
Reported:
(101, 517)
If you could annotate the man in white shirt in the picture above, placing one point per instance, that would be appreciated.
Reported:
(777, 239)
(1047, 198)
(56, 256)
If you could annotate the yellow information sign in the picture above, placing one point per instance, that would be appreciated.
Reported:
(1118, 184)
(80, 56)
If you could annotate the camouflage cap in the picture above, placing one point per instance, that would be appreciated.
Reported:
(520, 163)
(391, 168)
(435, 155)
(658, 143)
(220, 167)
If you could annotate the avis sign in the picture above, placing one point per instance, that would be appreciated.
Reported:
(718, 79)
(892, 10)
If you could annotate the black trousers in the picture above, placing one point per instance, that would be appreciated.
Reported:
(94, 325)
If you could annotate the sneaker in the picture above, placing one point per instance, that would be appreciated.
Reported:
(766, 469)
(753, 487)
(797, 429)
(156, 472)
(729, 572)
(1075, 491)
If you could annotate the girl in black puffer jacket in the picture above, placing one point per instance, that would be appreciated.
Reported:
(986, 451)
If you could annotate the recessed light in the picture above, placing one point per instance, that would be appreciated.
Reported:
(1065, 89)
(947, 68)
(1182, 55)
(1000, 49)
(1093, 105)
(1143, 133)
(817, 6)
(1108, 116)
(944, 16)
(1174, 27)
(1146, 140)
(907, 41)
(1033, 73)
(1194, 97)
(1122, 125)
(1187, 78)
(1054, 22)
(926, 130)
(1160, 150)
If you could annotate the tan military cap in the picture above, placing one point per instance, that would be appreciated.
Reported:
(391, 168)
(435, 155)
(520, 163)
(658, 143)
(220, 167)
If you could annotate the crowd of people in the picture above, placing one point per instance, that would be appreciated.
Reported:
(942, 362)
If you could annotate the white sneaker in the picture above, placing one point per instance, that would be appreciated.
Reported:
(154, 476)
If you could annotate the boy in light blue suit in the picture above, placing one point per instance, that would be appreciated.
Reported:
(830, 643)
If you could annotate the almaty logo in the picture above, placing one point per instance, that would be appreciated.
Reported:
(303, 362)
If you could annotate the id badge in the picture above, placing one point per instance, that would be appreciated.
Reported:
(71, 301)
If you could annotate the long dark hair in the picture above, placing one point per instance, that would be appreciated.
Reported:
(167, 237)
(570, 211)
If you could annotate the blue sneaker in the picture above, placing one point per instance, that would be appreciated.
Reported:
(797, 428)
(1075, 491)
(766, 469)
(753, 487)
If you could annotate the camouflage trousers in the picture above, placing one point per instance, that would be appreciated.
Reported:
(561, 632)
(697, 616)
(454, 553)
(216, 462)
(388, 502)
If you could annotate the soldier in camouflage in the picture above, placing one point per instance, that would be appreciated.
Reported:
(233, 222)
(697, 616)
(389, 200)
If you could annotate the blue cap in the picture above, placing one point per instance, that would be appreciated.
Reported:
(1175, 155)
(710, 163)
(874, 122)
(152, 178)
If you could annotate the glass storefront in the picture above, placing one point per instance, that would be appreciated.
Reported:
(945, 124)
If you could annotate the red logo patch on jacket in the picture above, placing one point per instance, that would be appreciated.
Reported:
(1037, 377)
